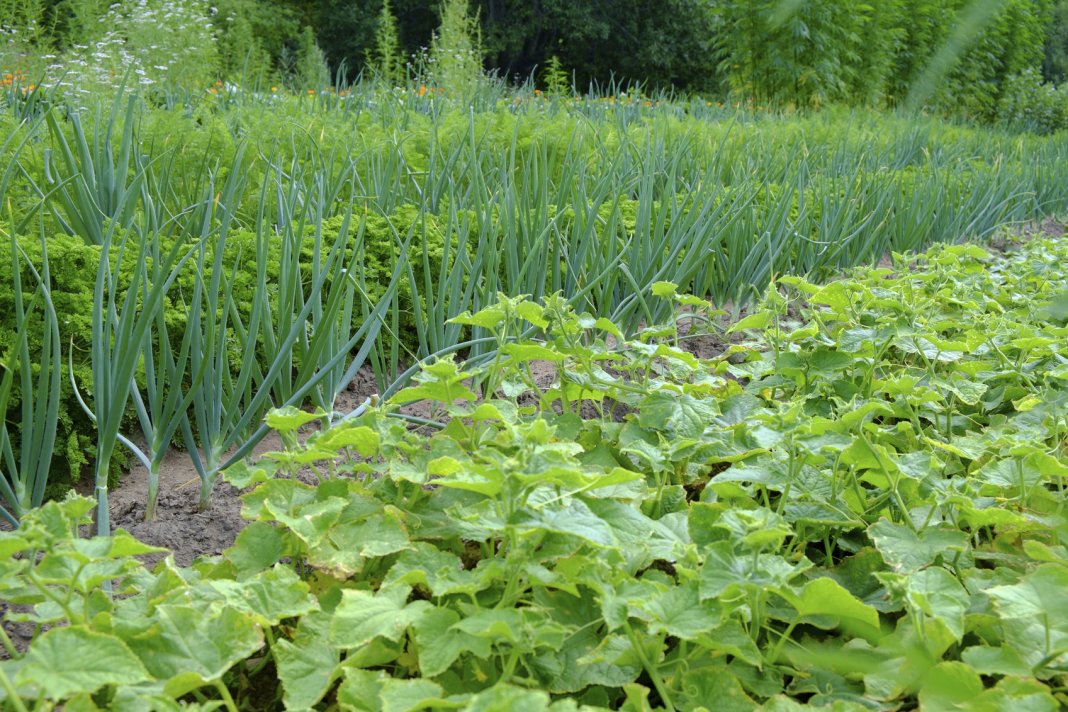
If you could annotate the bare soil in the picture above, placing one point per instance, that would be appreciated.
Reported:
(179, 525)
(188, 533)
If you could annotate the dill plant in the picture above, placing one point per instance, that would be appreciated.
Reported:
(242, 53)
(555, 77)
(311, 71)
(22, 40)
(141, 45)
(456, 50)
(386, 59)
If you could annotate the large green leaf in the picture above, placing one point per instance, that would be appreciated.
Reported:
(905, 550)
(680, 414)
(714, 688)
(503, 697)
(826, 598)
(950, 686)
(679, 611)
(307, 664)
(440, 572)
(828, 362)
(65, 661)
(360, 690)
(1039, 594)
(724, 571)
(362, 616)
(346, 545)
(270, 596)
(290, 418)
(641, 538)
(310, 521)
(588, 657)
(995, 660)
(1015, 693)
(937, 594)
(259, 546)
(348, 435)
(1035, 615)
(732, 639)
(411, 695)
(572, 517)
(440, 643)
(194, 643)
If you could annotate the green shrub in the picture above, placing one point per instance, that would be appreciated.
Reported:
(249, 39)
(1032, 105)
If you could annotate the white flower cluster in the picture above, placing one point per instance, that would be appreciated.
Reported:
(144, 42)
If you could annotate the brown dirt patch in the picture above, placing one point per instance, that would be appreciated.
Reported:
(179, 526)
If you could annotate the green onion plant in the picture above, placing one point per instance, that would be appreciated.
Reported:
(26, 454)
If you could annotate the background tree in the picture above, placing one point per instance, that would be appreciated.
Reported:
(1009, 39)
(346, 29)
(661, 43)
(964, 54)
(1055, 59)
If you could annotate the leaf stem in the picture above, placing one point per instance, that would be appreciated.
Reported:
(9, 646)
(654, 673)
(783, 639)
(50, 594)
(12, 693)
(228, 700)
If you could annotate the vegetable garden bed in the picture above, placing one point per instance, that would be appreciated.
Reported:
(861, 504)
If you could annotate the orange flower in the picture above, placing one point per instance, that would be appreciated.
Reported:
(310, 92)
(422, 90)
